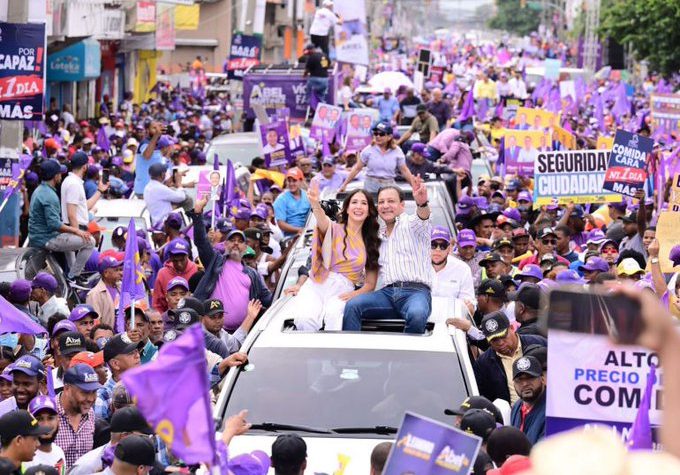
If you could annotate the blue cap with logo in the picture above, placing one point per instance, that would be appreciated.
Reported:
(29, 365)
(83, 377)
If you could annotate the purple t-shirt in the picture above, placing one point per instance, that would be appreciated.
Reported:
(233, 289)
(382, 165)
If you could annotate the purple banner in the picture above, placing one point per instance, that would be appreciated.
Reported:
(275, 144)
(278, 90)
(358, 129)
(627, 168)
(428, 447)
(555, 425)
(326, 117)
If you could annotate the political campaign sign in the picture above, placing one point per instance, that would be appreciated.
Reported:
(209, 184)
(665, 110)
(428, 447)
(562, 177)
(359, 133)
(667, 234)
(325, 119)
(527, 118)
(604, 143)
(674, 202)
(22, 71)
(351, 43)
(521, 148)
(627, 169)
(244, 53)
(566, 138)
(275, 144)
(603, 383)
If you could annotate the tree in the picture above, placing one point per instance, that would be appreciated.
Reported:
(651, 26)
(515, 16)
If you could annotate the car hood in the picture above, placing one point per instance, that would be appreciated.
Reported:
(324, 454)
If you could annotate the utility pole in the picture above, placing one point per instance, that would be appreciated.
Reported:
(591, 44)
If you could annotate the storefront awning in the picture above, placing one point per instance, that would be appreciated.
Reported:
(77, 62)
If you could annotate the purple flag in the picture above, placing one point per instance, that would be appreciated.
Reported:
(173, 395)
(554, 101)
(621, 102)
(102, 139)
(640, 437)
(468, 110)
(499, 109)
(13, 320)
(18, 172)
(599, 112)
(482, 108)
(132, 287)
(325, 148)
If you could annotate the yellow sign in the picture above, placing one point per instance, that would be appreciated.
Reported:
(667, 234)
(564, 137)
(187, 17)
(526, 118)
(605, 143)
(674, 202)
(145, 77)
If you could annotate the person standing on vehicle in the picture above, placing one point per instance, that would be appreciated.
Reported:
(324, 19)
(160, 199)
(405, 264)
(149, 152)
(104, 296)
(292, 206)
(226, 278)
(425, 124)
(46, 229)
(382, 159)
(452, 278)
(75, 209)
(316, 72)
(343, 254)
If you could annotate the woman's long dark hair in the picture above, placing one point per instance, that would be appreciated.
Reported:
(369, 230)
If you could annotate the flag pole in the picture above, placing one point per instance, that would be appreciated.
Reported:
(132, 314)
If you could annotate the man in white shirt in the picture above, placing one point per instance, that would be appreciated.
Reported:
(75, 213)
(518, 87)
(44, 409)
(324, 20)
(453, 277)
(160, 199)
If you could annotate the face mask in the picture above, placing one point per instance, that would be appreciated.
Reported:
(10, 340)
(523, 209)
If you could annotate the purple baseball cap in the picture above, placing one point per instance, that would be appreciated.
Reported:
(621, 206)
(81, 311)
(595, 264)
(42, 402)
(44, 280)
(7, 373)
(499, 193)
(174, 220)
(512, 213)
(176, 247)
(165, 141)
(177, 282)
(440, 233)
(524, 196)
(530, 270)
(465, 205)
(117, 161)
(481, 202)
(20, 291)
(254, 463)
(244, 203)
(260, 212)
(420, 148)
(242, 213)
(569, 276)
(64, 326)
(467, 237)
(109, 262)
(674, 255)
(596, 236)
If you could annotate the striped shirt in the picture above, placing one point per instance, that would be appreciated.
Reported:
(74, 443)
(405, 254)
(348, 255)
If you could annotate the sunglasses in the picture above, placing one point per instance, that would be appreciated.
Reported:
(327, 165)
(547, 242)
(441, 245)
(379, 134)
(609, 250)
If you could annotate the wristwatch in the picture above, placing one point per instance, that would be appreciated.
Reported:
(424, 205)
(654, 260)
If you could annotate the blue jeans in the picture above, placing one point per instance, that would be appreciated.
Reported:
(319, 86)
(412, 304)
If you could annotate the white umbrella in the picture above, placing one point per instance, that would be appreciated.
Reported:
(391, 79)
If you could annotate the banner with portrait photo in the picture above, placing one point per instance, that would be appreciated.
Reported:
(665, 110)
(209, 184)
(351, 44)
(564, 137)
(359, 134)
(275, 144)
(521, 148)
(527, 118)
(325, 119)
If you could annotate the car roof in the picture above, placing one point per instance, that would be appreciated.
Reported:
(238, 137)
(120, 207)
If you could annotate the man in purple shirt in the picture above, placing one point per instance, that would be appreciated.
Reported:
(329, 178)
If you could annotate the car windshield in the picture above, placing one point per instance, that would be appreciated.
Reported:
(237, 152)
(346, 387)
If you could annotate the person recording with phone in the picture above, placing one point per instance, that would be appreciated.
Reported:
(150, 152)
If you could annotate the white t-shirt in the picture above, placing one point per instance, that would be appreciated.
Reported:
(54, 458)
(324, 20)
(73, 192)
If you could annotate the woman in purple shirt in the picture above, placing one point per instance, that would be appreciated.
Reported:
(382, 159)
(344, 254)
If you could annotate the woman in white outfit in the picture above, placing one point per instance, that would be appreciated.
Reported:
(344, 254)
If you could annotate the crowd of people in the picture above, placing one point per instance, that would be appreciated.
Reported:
(63, 406)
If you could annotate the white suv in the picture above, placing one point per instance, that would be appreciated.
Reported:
(344, 392)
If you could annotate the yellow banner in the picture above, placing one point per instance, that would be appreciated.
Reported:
(145, 77)
(605, 143)
(667, 234)
(187, 17)
(674, 202)
(526, 118)
(565, 137)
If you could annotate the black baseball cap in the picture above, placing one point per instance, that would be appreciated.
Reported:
(289, 451)
(191, 302)
(492, 288)
(545, 232)
(79, 159)
(184, 317)
(120, 344)
(41, 469)
(479, 422)
(630, 218)
(213, 307)
(71, 343)
(136, 450)
(254, 233)
(539, 352)
(495, 325)
(19, 422)
(527, 365)
(490, 257)
(476, 402)
(529, 294)
(129, 419)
